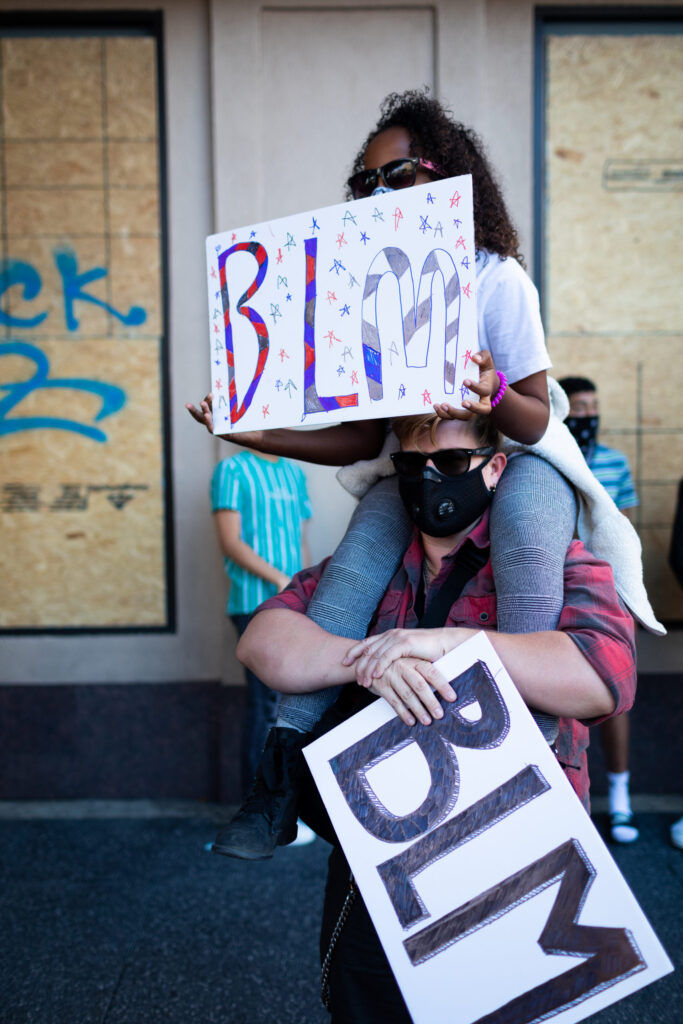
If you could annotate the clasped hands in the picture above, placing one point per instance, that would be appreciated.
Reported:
(397, 665)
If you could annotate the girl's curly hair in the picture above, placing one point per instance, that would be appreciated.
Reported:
(455, 149)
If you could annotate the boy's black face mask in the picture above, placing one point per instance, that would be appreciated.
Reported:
(584, 430)
(440, 505)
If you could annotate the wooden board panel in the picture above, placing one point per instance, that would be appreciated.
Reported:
(82, 495)
(613, 243)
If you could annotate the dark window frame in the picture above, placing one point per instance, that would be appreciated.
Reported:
(41, 23)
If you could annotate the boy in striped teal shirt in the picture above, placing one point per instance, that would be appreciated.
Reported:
(260, 504)
(611, 468)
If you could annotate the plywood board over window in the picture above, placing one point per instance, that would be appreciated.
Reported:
(83, 493)
(613, 248)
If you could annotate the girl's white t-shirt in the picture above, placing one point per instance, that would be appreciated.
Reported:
(509, 317)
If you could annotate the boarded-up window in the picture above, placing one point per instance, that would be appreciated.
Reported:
(83, 491)
(613, 247)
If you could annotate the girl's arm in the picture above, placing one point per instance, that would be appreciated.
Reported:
(523, 411)
(326, 446)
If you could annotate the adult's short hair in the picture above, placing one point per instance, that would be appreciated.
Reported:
(570, 385)
(409, 430)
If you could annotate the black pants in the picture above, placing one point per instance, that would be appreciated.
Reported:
(362, 985)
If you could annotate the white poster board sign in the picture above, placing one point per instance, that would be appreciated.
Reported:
(493, 895)
(354, 311)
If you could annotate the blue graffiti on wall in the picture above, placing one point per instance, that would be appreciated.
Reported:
(113, 398)
(19, 274)
(24, 275)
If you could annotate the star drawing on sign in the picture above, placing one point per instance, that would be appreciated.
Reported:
(393, 351)
(337, 266)
(281, 280)
(457, 222)
(213, 271)
(430, 197)
(234, 236)
(331, 297)
(465, 262)
(218, 384)
(364, 238)
(401, 391)
(438, 230)
(352, 281)
(283, 355)
(252, 234)
(275, 311)
(340, 370)
(426, 397)
(455, 199)
(314, 226)
(279, 256)
(460, 242)
(398, 217)
(345, 310)
(215, 329)
(278, 384)
(347, 353)
(217, 362)
(265, 409)
(464, 390)
(289, 297)
(218, 248)
(341, 240)
(467, 290)
(424, 223)
(466, 357)
(289, 385)
(348, 216)
(378, 215)
(218, 295)
(290, 242)
(354, 376)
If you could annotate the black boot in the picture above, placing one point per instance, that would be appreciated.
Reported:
(267, 818)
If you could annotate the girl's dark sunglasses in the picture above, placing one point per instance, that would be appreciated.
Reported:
(395, 174)
(449, 461)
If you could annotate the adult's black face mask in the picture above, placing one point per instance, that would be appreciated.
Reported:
(584, 429)
(440, 505)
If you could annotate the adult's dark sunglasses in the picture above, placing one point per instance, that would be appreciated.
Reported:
(395, 174)
(449, 461)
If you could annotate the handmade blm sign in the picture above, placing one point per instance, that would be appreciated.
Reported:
(492, 893)
(366, 309)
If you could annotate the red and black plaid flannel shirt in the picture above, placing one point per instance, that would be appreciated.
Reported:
(593, 616)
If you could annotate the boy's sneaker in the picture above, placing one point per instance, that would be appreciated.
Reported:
(267, 818)
(623, 828)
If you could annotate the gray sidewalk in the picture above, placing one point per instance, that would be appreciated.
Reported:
(119, 916)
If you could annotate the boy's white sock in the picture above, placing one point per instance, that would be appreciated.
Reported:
(619, 799)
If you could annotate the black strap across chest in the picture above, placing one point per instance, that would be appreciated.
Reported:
(467, 563)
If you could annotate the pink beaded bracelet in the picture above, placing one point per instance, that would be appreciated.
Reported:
(502, 388)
